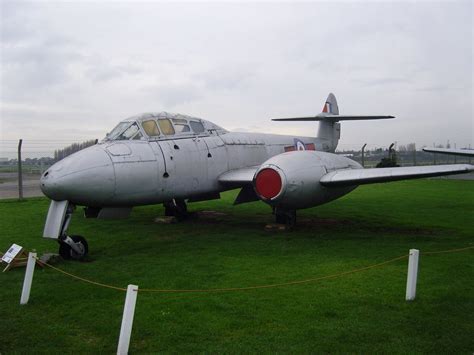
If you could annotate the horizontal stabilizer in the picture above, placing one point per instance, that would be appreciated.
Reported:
(460, 152)
(352, 177)
(333, 118)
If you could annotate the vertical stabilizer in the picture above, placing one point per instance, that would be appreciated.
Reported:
(330, 106)
(330, 130)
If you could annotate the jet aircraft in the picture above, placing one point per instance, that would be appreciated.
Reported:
(173, 159)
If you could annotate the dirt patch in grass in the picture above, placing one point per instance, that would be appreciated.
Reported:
(316, 223)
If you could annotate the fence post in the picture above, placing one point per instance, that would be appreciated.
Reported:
(412, 274)
(20, 173)
(363, 155)
(30, 268)
(127, 320)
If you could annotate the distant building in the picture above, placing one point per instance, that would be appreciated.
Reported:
(3, 160)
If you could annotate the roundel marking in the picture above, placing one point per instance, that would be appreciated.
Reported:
(268, 183)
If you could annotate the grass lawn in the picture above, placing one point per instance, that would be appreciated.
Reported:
(358, 313)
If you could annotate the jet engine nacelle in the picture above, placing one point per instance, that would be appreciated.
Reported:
(291, 180)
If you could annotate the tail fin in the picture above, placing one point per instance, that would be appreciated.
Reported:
(329, 131)
(329, 126)
(330, 106)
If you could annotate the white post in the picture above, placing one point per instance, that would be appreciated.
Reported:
(412, 274)
(30, 268)
(127, 320)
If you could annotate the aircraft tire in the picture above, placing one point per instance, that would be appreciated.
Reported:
(68, 253)
(287, 218)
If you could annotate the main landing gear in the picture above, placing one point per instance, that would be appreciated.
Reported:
(284, 216)
(176, 208)
(71, 246)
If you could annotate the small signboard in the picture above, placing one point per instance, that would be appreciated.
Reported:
(15, 256)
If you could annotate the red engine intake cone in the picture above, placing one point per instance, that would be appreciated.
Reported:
(268, 183)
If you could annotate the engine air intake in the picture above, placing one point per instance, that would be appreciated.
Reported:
(268, 183)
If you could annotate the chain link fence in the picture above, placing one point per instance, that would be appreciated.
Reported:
(38, 155)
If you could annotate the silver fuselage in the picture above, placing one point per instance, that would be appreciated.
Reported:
(140, 172)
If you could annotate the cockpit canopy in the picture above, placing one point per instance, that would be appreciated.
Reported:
(163, 125)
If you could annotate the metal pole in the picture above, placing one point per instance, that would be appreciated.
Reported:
(390, 152)
(363, 155)
(412, 274)
(127, 320)
(414, 155)
(30, 268)
(20, 174)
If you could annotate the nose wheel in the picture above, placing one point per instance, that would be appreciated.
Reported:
(73, 247)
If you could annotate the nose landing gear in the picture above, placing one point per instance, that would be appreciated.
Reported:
(73, 247)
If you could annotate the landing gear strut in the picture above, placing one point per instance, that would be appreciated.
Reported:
(176, 208)
(286, 217)
(71, 247)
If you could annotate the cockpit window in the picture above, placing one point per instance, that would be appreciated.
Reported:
(132, 132)
(180, 121)
(151, 128)
(181, 128)
(197, 126)
(166, 126)
(117, 130)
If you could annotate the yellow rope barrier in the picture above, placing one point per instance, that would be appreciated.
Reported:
(275, 285)
(248, 288)
(81, 278)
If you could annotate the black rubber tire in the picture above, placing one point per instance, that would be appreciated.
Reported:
(68, 253)
(287, 218)
(176, 208)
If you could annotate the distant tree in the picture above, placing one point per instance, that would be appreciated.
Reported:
(70, 149)
(411, 147)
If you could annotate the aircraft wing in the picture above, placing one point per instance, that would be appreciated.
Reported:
(351, 177)
(238, 177)
(461, 152)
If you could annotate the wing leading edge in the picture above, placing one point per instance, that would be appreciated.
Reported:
(351, 177)
(238, 177)
(460, 152)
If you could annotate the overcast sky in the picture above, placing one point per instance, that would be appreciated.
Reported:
(71, 70)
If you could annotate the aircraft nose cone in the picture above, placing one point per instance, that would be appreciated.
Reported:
(84, 178)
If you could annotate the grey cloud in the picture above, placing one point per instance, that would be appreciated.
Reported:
(440, 88)
(31, 67)
(383, 81)
(172, 95)
(104, 72)
(231, 77)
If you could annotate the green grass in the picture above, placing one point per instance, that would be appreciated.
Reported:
(359, 313)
